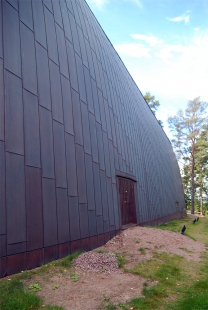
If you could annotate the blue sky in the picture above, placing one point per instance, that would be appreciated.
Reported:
(164, 45)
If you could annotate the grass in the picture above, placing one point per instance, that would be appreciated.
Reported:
(13, 295)
(121, 260)
(142, 250)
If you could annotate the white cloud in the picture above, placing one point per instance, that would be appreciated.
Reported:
(100, 3)
(133, 50)
(151, 40)
(181, 18)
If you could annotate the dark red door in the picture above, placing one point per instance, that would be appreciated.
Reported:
(127, 198)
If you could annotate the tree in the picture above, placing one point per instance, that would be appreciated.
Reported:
(153, 104)
(201, 167)
(186, 127)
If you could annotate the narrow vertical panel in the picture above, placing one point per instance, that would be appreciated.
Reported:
(95, 100)
(74, 34)
(106, 152)
(60, 159)
(83, 48)
(71, 165)
(25, 12)
(67, 27)
(12, 59)
(102, 111)
(1, 99)
(39, 23)
(97, 75)
(104, 195)
(86, 128)
(72, 66)
(15, 199)
(57, 12)
(2, 248)
(110, 202)
(97, 188)
(14, 114)
(92, 223)
(2, 190)
(48, 4)
(46, 135)
(62, 215)
(89, 57)
(88, 90)
(1, 28)
(67, 105)
(100, 146)
(34, 208)
(82, 192)
(43, 77)
(93, 136)
(77, 118)
(116, 207)
(69, 6)
(90, 182)
(84, 226)
(74, 218)
(107, 114)
(49, 212)
(81, 81)
(28, 59)
(51, 36)
(31, 126)
(99, 226)
(57, 108)
(62, 52)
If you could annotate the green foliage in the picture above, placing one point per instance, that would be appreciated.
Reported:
(13, 297)
(121, 260)
(67, 261)
(153, 104)
(142, 250)
(34, 287)
(74, 278)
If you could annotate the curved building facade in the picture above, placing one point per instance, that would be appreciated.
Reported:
(81, 153)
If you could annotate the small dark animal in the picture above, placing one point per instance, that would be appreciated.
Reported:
(183, 230)
(194, 221)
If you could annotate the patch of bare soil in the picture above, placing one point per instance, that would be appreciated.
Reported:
(95, 276)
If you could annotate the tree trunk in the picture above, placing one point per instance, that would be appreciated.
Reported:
(201, 188)
(192, 181)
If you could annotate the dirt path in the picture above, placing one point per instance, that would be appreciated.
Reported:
(94, 279)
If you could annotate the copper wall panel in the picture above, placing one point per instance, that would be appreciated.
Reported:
(32, 131)
(74, 218)
(46, 137)
(11, 37)
(39, 23)
(51, 36)
(14, 114)
(57, 12)
(44, 91)
(71, 165)
(49, 212)
(15, 198)
(74, 122)
(62, 215)
(60, 155)
(1, 28)
(2, 190)
(62, 51)
(56, 96)
(1, 100)
(67, 27)
(34, 208)
(25, 13)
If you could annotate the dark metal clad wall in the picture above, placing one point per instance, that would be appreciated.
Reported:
(72, 121)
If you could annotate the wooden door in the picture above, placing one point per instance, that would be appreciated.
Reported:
(127, 200)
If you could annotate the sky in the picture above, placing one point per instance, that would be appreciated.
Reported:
(163, 44)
